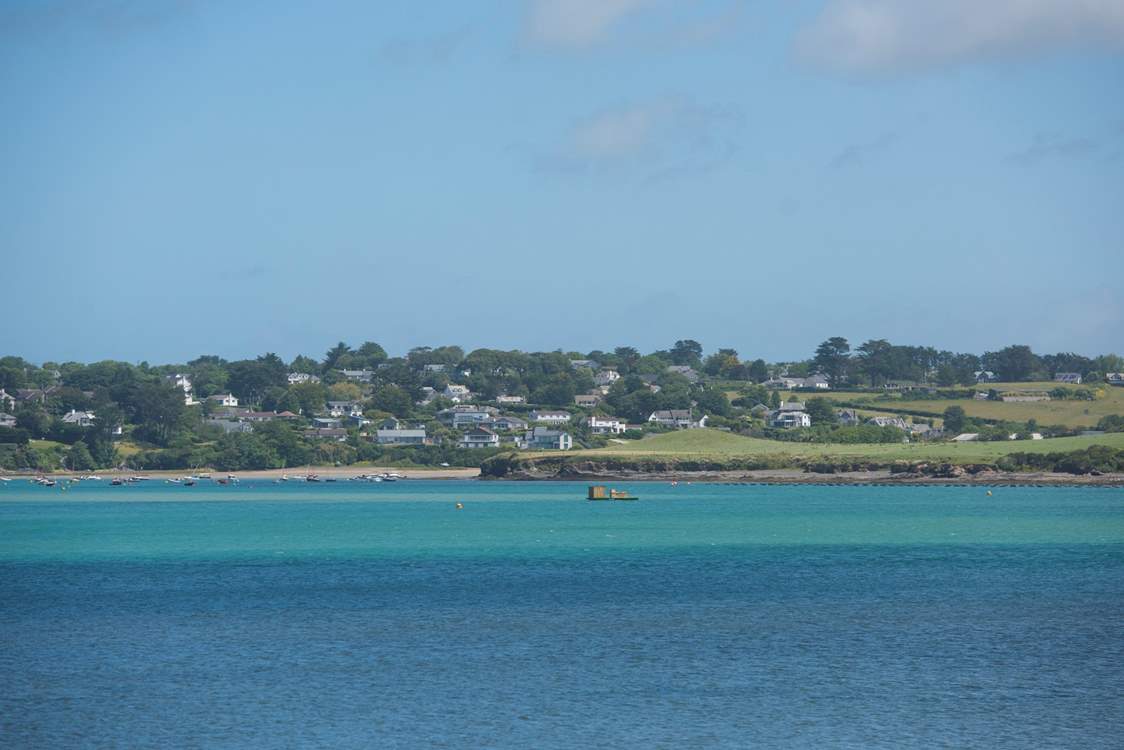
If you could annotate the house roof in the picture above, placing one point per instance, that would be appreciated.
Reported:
(671, 414)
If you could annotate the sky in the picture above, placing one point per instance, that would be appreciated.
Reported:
(200, 177)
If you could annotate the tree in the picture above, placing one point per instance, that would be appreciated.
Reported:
(954, 418)
(714, 401)
(774, 400)
(833, 358)
(304, 364)
(627, 357)
(158, 408)
(821, 411)
(333, 355)
(687, 352)
(758, 371)
(345, 392)
(1012, 363)
(875, 359)
(309, 397)
(392, 399)
(78, 458)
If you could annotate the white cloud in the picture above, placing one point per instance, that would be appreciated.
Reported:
(892, 35)
(578, 23)
(655, 140)
(616, 133)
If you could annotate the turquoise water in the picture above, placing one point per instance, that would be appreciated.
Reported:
(354, 615)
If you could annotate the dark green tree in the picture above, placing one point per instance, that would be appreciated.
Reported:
(821, 411)
(832, 358)
(954, 418)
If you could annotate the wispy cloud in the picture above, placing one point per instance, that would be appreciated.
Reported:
(1047, 146)
(879, 36)
(857, 153)
(578, 23)
(654, 141)
(432, 50)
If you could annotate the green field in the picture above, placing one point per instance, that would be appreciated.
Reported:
(718, 444)
(1110, 400)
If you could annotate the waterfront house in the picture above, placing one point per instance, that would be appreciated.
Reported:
(7, 400)
(588, 364)
(506, 424)
(326, 423)
(599, 425)
(1112, 378)
(182, 381)
(588, 400)
(227, 399)
(401, 436)
(1072, 378)
(434, 367)
(465, 414)
(337, 434)
(819, 382)
(985, 376)
(296, 378)
(550, 416)
(849, 417)
(507, 400)
(544, 438)
(7, 420)
(480, 437)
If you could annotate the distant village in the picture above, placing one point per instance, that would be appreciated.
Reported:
(484, 401)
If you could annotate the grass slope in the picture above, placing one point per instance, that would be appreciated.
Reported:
(718, 444)
(1068, 413)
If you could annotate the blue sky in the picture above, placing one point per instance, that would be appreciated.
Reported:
(233, 178)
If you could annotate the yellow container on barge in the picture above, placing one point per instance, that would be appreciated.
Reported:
(600, 492)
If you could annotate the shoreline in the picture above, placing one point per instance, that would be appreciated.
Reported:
(335, 472)
(880, 477)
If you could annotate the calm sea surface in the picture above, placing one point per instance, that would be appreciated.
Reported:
(378, 616)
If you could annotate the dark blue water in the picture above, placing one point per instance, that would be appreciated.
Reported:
(636, 644)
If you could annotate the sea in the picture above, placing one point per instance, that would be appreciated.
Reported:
(348, 615)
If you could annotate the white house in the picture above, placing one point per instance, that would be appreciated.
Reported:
(1114, 378)
(358, 376)
(542, 438)
(80, 418)
(480, 437)
(549, 416)
(183, 380)
(7, 420)
(817, 381)
(606, 425)
(345, 408)
(1068, 377)
(296, 378)
(787, 419)
(678, 418)
(457, 393)
(225, 400)
(606, 377)
(7, 400)
(889, 422)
